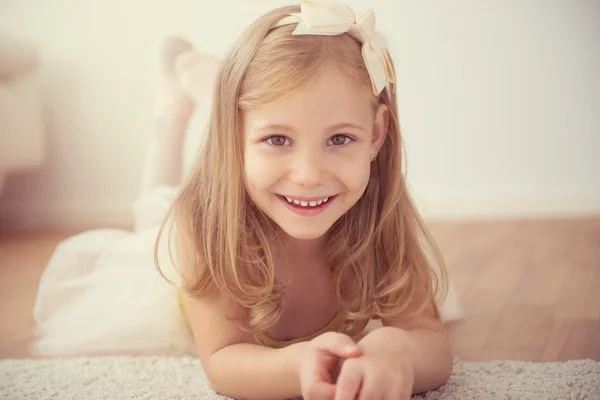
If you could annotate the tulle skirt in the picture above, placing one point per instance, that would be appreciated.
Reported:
(102, 294)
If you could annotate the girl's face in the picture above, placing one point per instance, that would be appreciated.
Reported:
(307, 157)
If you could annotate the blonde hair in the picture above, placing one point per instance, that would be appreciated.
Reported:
(383, 258)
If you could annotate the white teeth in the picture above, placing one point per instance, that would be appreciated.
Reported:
(306, 203)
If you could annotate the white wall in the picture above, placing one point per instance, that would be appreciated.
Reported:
(499, 102)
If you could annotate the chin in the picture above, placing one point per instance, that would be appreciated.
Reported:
(310, 233)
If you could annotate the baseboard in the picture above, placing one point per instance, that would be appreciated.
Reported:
(66, 215)
(476, 206)
(117, 213)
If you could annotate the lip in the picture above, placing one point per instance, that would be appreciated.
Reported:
(307, 211)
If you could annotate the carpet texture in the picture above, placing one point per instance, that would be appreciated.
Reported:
(181, 378)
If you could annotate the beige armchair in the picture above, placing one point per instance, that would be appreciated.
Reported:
(22, 139)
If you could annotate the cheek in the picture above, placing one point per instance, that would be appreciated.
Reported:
(259, 171)
(353, 175)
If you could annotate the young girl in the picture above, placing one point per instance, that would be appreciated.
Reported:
(295, 229)
(304, 266)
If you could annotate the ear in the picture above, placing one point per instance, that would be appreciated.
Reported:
(380, 128)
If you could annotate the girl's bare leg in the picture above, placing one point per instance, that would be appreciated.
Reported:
(164, 157)
(186, 81)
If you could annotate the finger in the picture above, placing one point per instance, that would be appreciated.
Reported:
(349, 383)
(315, 373)
(396, 393)
(313, 370)
(372, 389)
(320, 391)
(405, 393)
(337, 343)
(400, 390)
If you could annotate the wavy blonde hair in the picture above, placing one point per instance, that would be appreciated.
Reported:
(385, 262)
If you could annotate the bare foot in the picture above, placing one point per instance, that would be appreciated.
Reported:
(197, 73)
(173, 102)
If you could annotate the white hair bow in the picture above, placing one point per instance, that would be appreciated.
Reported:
(331, 17)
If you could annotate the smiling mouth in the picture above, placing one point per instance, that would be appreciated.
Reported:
(305, 203)
(307, 206)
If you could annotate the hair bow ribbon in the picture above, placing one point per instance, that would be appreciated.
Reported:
(331, 17)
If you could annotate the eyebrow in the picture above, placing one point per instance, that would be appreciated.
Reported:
(346, 125)
(336, 127)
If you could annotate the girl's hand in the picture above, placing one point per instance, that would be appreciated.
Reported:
(322, 356)
(384, 371)
(377, 378)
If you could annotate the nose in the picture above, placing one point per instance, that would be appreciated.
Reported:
(308, 169)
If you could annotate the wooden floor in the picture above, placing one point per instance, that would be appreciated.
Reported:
(531, 289)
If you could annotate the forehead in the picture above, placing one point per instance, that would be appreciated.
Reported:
(329, 99)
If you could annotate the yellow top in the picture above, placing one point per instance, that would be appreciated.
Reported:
(334, 325)
(263, 339)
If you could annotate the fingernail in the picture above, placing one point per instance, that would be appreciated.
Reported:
(351, 348)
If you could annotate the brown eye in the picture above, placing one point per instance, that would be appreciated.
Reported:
(277, 140)
(339, 140)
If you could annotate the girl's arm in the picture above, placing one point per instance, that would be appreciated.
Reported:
(234, 366)
(426, 340)
(422, 339)
(433, 352)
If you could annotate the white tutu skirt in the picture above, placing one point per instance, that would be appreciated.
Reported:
(101, 293)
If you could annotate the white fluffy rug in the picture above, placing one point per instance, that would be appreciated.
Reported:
(181, 378)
